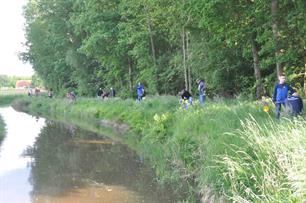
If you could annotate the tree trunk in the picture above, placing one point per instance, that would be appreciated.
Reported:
(149, 21)
(130, 74)
(152, 45)
(274, 11)
(188, 60)
(184, 58)
(257, 72)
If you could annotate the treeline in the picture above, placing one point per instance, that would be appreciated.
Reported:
(10, 81)
(236, 46)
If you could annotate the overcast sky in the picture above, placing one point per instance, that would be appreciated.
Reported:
(11, 38)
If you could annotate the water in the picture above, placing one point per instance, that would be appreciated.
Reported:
(45, 161)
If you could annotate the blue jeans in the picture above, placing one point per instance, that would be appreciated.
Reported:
(278, 107)
(139, 97)
(202, 98)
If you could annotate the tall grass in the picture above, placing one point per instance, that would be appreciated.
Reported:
(192, 149)
(271, 167)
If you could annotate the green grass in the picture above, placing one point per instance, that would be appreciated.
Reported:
(196, 149)
(6, 100)
(2, 129)
(271, 166)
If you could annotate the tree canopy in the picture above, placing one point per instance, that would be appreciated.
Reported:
(236, 46)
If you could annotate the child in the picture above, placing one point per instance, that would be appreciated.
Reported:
(140, 91)
(186, 98)
(280, 95)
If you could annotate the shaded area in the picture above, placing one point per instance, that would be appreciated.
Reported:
(68, 160)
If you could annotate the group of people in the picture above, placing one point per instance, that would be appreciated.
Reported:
(37, 91)
(34, 92)
(105, 94)
(186, 97)
(283, 96)
(140, 91)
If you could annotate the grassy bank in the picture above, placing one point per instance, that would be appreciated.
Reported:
(2, 129)
(6, 100)
(232, 149)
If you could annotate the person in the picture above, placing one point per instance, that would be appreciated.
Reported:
(140, 91)
(50, 93)
(186, 98)
(294, 104)
(71, 96)
(100, 92)
(30, 91)
(281, 91)
(105, 95)
(113, 92)
(201, 89)
(37, 91)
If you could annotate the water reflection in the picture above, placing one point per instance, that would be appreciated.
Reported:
(21, 131)
(46, 161)
(73, 164)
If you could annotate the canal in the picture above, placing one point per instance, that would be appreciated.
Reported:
(48, 161)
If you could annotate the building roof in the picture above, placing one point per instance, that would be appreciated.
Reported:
(23, 83)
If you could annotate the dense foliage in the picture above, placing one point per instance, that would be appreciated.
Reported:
(237, 46)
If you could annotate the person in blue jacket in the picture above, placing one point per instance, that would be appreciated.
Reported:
(140, 91)
(281, 91)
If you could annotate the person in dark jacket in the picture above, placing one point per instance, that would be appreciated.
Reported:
(294, 104)
(186, 98)
(185, 94)
(100, 92)
(281, 91)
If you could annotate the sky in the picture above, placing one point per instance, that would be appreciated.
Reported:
(11, 38)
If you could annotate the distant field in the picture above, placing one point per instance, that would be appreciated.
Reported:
(13, 91)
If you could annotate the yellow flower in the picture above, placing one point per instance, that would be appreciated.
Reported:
(266, 108)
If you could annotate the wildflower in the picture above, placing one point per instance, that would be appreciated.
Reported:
(266, 108)
(156, 117)
(164, 117)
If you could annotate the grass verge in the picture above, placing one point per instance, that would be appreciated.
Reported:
(226, 148)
